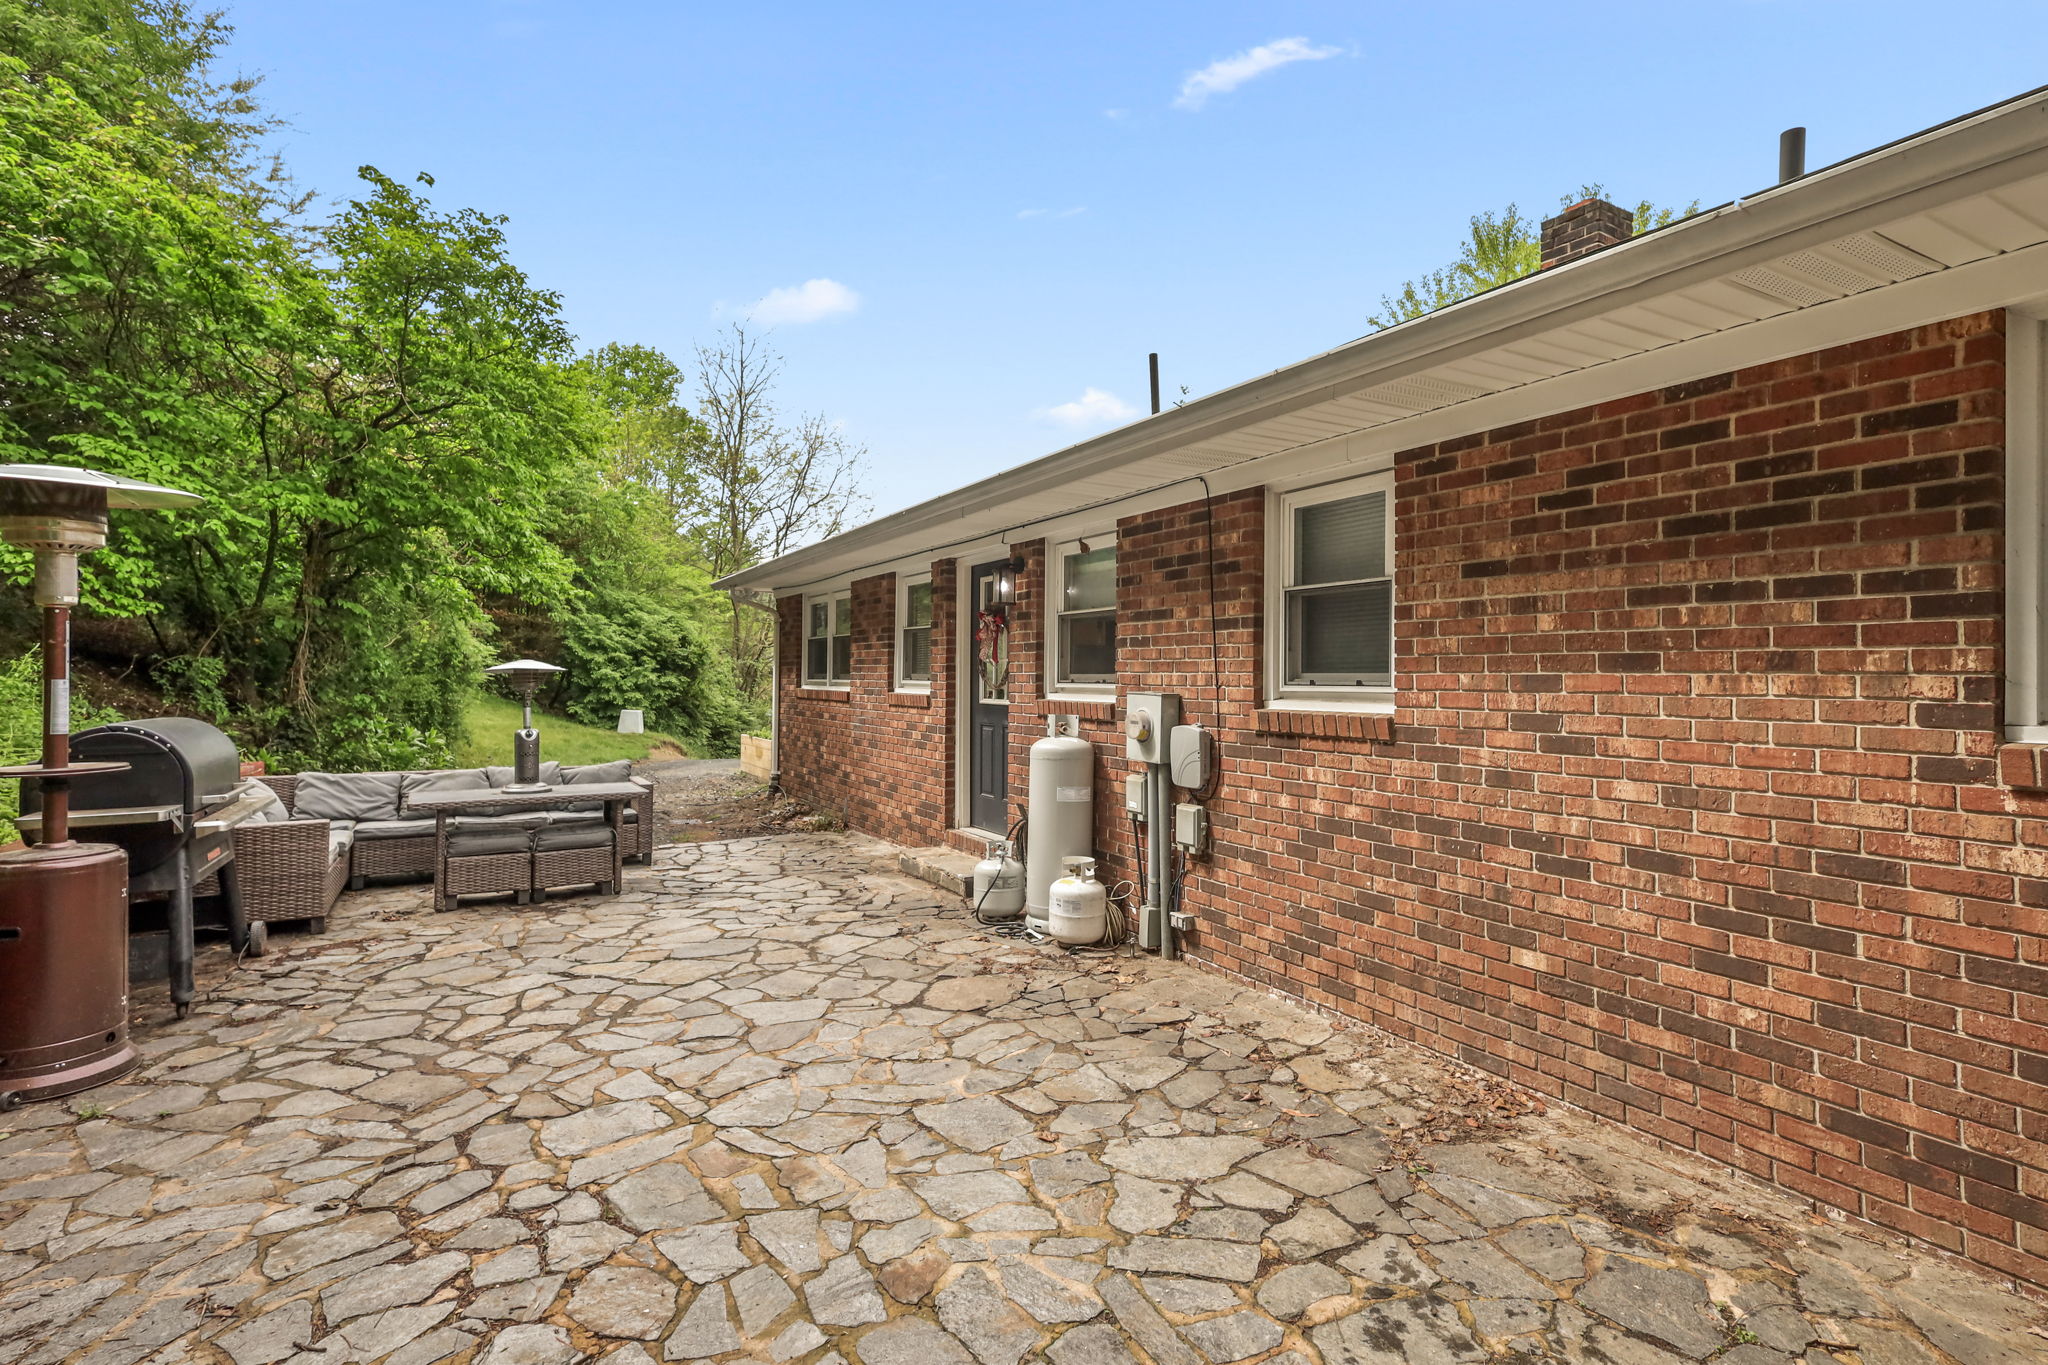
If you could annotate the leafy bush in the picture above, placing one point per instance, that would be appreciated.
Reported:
(21, 727)
(628, 651)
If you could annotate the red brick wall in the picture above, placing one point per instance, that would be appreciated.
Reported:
(901, 785)
(1689, 814)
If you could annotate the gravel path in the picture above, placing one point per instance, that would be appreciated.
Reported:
(700, 798)
(777, 1103)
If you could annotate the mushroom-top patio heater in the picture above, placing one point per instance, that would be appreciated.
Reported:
(525, 675)
(63, 905)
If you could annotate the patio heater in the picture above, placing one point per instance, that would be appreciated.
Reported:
(63, 904)
(525, 675)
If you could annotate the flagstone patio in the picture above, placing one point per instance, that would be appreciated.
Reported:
(778, 1103)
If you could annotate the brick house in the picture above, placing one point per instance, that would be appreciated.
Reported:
(1628, 681)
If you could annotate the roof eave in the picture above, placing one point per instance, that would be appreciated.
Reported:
(1945, 162)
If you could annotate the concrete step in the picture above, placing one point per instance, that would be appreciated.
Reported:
(945, 868)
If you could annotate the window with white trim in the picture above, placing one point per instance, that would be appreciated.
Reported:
(2026, 545)
(1084, 612)
(828, 639)
(913, 632)
(1336, 592)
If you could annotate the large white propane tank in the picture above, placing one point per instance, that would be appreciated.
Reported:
(1080, 904)
(999, 882)
(1062, 815)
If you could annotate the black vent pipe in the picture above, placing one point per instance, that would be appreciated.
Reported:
(1791, 154)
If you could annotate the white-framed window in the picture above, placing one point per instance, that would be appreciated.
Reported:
(2026, 529)
(1331, 592)
(1083, 627)
(828, 639)
(913, 632)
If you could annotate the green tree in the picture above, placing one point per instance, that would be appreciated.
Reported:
(652, 440)
(1498, 248)
(765, 484)
(386, 415)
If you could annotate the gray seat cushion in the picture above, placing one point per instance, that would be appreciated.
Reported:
(573, 833)
(447, 780)
(341, 836)
(550, 774)
(578, 813)
(395, 829)
(348, 796)
(471, 835)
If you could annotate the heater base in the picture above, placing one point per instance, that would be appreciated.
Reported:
(69, 1078)
(63, 970)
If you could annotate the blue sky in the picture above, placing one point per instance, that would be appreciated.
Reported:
(971, 222)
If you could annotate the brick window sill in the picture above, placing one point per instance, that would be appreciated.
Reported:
(824, 694)
(1086, 710)
(2023, 767)
(916, 700)
(1326, 724)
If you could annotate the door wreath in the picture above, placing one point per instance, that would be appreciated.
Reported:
(992, 651)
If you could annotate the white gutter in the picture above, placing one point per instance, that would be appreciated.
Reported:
(1971, 154)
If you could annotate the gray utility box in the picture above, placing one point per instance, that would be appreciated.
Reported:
(1149, 718)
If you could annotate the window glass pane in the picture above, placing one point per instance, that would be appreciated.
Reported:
(1342, 541)
(1342, 636)
(814, 660)
(821, 612)
(1088, 648)
(917, 655)
(1090, 580)
(842, 657)
(917, 605)
(842, 616)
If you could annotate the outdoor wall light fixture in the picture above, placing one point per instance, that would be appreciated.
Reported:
(525, 675)
(1003, 592)
(63, 904)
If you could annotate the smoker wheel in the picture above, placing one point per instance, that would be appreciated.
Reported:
(9, 1099)
(258, 939)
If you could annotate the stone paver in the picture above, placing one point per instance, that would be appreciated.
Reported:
(775, 1102)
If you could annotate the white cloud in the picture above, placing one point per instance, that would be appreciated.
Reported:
(1094, 408)
(1116, 113)
(1074, 212)
(1222, 76)
(810, 301)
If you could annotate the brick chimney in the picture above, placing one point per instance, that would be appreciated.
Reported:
(1586, 227)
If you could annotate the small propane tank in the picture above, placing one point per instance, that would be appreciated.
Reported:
(1080, 905)
(999, 882)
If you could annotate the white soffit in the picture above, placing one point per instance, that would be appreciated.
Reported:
(1941, 236)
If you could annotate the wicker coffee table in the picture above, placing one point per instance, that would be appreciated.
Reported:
(523, 872)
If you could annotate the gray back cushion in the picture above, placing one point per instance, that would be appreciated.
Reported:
(616, 771)
(270, 806)
(348, 796)
(446, 780)
(550, 774)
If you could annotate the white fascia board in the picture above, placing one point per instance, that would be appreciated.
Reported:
(1996, 281)
(1948, 163)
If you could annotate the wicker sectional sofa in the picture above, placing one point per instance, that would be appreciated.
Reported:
(332, 831)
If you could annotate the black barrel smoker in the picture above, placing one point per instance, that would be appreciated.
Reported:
(63, 905)
(173, 811)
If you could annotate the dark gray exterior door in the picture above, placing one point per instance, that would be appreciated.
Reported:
(988, 712)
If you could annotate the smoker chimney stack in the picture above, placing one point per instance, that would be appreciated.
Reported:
(1586, 227)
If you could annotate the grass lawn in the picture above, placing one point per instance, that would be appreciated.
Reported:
(490, 722)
